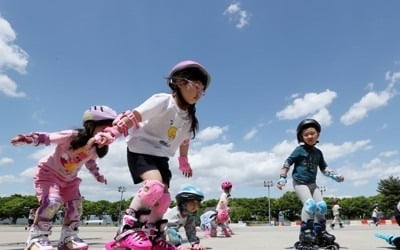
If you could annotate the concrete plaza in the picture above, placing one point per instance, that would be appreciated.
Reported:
(355, 237)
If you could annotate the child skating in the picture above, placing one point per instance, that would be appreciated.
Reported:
(56, 178)
(307, 158)
(223, 208)
(183, 215)
(159, 127)
(211, 220)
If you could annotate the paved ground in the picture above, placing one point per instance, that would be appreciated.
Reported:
(255, 237)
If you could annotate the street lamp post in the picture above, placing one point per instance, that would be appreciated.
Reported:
(268, 184)
(121, 189)
(323, 190)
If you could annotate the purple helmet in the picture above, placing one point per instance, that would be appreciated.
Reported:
(189, 64)
(99, 113)
(226, 185)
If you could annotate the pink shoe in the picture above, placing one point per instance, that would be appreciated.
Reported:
(130, 239)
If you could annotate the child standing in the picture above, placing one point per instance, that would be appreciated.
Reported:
(223, 208)
(167, 123)
(183, 215)
(336, 214)
(375, 214)
(307, 158)
(56, 181)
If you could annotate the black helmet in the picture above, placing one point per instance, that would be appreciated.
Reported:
(304, 124)
(188, 193)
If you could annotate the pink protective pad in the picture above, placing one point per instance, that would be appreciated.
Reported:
(151, 192)
(162, 205)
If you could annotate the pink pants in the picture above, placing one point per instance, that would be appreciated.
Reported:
(47, 183)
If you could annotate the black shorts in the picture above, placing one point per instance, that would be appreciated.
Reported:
(141, 163)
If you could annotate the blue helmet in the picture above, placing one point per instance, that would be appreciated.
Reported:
(188, 193)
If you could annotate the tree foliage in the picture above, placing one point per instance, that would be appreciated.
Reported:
(390, 190)
(244, 209)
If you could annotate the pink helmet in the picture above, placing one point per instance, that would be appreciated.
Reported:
(226, 185)
(99, 113)
(222, 216)
(190, 64)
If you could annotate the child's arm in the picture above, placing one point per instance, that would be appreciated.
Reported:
(91, 165)
(331, 174)
(121, 124)
(184, 165)
(283, 175)
(42, 138)
(190, 229)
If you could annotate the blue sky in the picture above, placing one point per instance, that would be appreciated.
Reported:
(272, 63)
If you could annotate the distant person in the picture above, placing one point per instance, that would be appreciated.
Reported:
(183, 215)
(281, 218)
(210, 221)
(223, 205)
(307, 159)
(156, 130)
(336, 214)
(31, 218)
(375, 214)
(56, 178)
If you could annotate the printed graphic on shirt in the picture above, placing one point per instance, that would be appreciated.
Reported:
(171, 132)
(71, 159)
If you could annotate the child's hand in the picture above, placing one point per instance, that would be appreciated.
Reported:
(197, 247)
(281, 183)
(101, 179)
(184, 166)
(21, 140)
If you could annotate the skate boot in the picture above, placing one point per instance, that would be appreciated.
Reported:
(226, 232)
(325, 239)
(69, 239)
(158, 236)
(307, 239)
(38, 237)
(131, 234)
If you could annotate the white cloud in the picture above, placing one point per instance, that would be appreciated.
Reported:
(332, 152)
(389, 153)
(211, 133)
(6, 160)
(250, 135)
(11, 57)
(311, 104)
(238, 15)
(9, 87)
(372, 100)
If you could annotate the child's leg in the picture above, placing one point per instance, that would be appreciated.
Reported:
(69, 238)
(41, 228)
(307, 236)
(130, 234)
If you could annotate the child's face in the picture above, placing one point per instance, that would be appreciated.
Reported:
(192, 91)
(310, 136)
(192, 206)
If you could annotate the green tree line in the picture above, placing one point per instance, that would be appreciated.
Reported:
(241, 209)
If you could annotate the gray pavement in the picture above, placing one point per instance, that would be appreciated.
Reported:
(253, 237)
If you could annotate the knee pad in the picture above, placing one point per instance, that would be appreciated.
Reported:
(161, 206)
(310, 206)
(49, 206)
(151, 192)
(173, 236)
(73, 210)
(321, 208)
